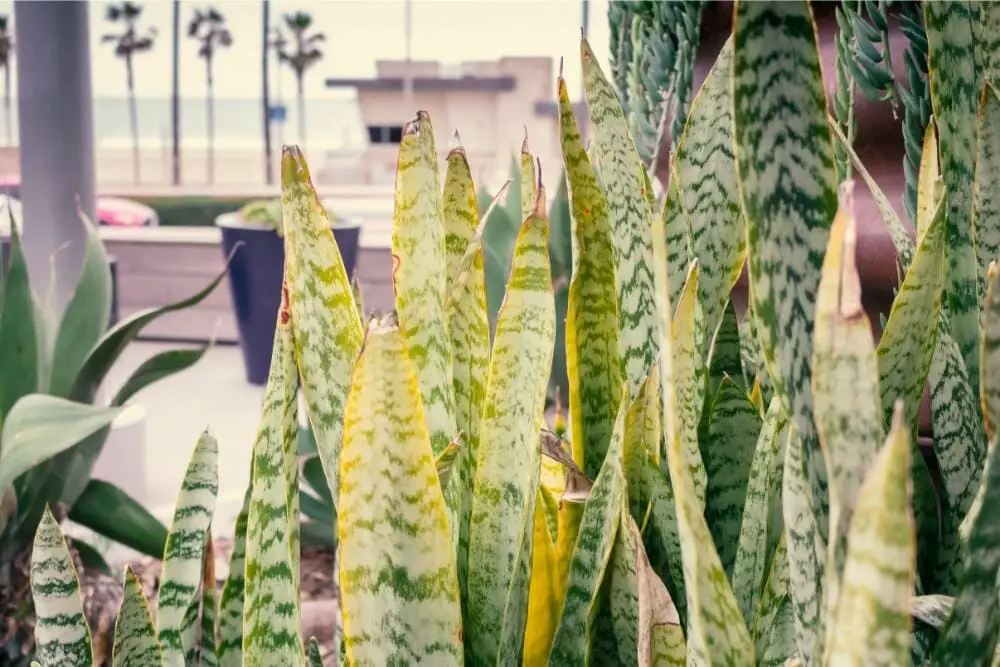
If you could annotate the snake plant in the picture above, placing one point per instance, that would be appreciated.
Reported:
(733, 488)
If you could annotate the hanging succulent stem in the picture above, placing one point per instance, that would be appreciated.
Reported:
(843, 101)
(620, 24)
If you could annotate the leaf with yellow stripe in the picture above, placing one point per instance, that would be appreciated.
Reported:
(327, 326)
(135, 636)
(544, 598)
(418, 248)
(929, 183)
(642, 442)
(685, 399)
(592, 358)
(508, 469)
(399, 587)
(460, 209)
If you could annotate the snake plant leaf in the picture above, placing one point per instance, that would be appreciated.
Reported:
(508, 469)
(629, 214)
(847, 405)
(230, 646)
(753, 550)
(544, 597)
(460, 212)
(684, 412)
(728, 450)
(970, 636)
(529, 177)
(785, 161)
(662, 536)
(774, 596)
(661, 640)
(271, 628)
(872, 618)
(157, 367)
(183, 554)
(397, 571)
(724, 355)
(445, 461)
(642, 443)
(678, 238)
(61, 631)
(135, 637)
(19, 336)
(86, 315)
(706, 172)
(356, 291)
(326, 326)
(985, 204)
(592, 553)
(990, 351)
(592, 359)
(954, 87)
(418, 247)
(315, 657)
(929, 181)
(39, 426)
(716, 633)
(909, 338)
(208, 639)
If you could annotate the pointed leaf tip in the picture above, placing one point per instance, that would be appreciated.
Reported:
(561, 69)
(850, 290)
(539, 206)
(293, 166)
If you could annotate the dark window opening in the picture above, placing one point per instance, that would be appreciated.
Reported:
(385, 134)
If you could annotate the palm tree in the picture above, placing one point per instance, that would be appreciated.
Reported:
(6, 54)
(209, 28)
(129, 42)
(303, 54)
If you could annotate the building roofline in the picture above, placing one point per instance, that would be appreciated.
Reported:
(429, 83)
(550, 108)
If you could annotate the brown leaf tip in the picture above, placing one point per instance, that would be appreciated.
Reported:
(524, 142)
(538, 209)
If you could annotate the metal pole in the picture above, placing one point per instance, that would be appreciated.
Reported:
(266, 71)
(175, 102)
(408, 78)
(56, 139)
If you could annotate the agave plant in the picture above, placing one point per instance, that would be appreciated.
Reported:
(730, 492)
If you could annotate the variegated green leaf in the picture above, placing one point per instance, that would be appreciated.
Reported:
(663, 542)
(778, 648)
(753, 548)
(61, 631)
(208, 641)
(231, 602)
(774, 596)
(358, 297)
(592, 360)
(545, 599)
(660, 636)
(724, 356)
(706, 170)
(399, 585)
(785, 161)
(629, 214)
(642, 442)
(954, 88)
(418, 248)
(685, 407)
(529, 179)
(910, 336)
(872, 619)
(460, 210)
(716, 633)
(184, 551)
(315, 657)
(508, 469)
(135, 636)
(929, 183)
(327, 327)
(986, 204)
(990, 351)
(678, 238)
(600, 521)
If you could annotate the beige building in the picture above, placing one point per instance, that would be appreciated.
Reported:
(490, 104)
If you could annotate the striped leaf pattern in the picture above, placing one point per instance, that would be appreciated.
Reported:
(642, 440)
(271, 627)
(678, 237)
(327, 327)
(459, 209)
(529, 179)
(706, 173)
(315, 657)
(398, 580)
(990, 353)
(954, 87)
(774, 597)
(685, 409)
(629, 214)
(61, 631)
(598, 526)
(592, 360)
(231, 601)
(184, 551)
(663, 541)
(785, 161)
(509, 459)
(985, 203)
(929, 183)
(135, 637)
(661, 640)
(418, 248)
(545, 599)
(872, 621)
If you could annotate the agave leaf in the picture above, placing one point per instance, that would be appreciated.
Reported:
(872, 618)
(135, 637)
(985, 204)
(728, 451)
(321, 301)
(928, 181)
(642, 443)
(109, 511)
(86, 315)
(230, 647)
(592, 360)
(910, 335)
(970, 636)
(592, 553)
(460, 214)
(753, 550)
(684, 405)
(508, 467)
(397, 571)
(19, 338)
(315, 657)
(182, 556)
(954, 86)
(629, 214)
(158, 367)
(272, 631)
(788, 187)
(61, 631)
(544, 597)
(418, 247)
(706, 171)
(39, 426)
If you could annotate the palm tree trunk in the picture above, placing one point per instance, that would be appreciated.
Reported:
(8, 122)
(210, 116)
(266, 98)
(302, 111)
(133, 117)
(175, 98)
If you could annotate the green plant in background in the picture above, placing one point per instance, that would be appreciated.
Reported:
(268, 212)
(686, 519)
(55, 424)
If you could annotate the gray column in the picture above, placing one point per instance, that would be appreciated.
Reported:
(56, 131)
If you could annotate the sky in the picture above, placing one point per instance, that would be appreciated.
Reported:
(358, 32)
